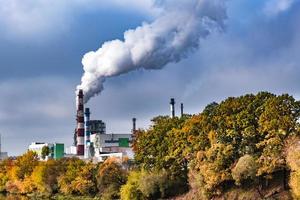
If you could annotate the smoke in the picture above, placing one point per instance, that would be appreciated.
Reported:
(168, 39)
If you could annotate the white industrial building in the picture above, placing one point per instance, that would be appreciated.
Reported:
(104, 146)
(37, 148)
(56, 150)
(111, 145)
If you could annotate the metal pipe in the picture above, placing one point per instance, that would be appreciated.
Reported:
(87, 153)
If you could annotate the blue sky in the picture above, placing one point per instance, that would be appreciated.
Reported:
(42, 44)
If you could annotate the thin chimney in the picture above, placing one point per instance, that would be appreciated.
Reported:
(181, 109)
(87, 153)
(172, 106)
(133, 125)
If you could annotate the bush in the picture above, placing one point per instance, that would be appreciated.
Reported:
(293, 157)
(110, 178)
(245, 168)
(131, 191)
(151, 185)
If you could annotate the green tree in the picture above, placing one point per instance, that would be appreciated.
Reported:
(45, 151)
(131, 191)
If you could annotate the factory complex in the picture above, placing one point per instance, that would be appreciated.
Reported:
(90, 140)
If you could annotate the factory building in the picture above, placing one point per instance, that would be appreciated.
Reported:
(100, 145)
(91, 140)
(56, 150)
(106, 144)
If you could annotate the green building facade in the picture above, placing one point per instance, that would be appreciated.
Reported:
(58, 150)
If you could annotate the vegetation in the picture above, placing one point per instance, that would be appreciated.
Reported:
(45, 151)
(68, 176)
(240, 141)
(238, 147)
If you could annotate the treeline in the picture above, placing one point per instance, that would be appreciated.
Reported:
(246, 141)
(67, 176)
(241, 142)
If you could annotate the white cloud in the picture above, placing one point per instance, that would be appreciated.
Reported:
(31, 18)
(275, 7)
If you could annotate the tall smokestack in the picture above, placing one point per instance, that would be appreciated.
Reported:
(133, 125)
(80, 124)
(181, 109)
(172, 106)
(87, 153)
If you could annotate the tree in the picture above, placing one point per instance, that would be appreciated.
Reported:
(277, 122)
(151, 147)
(110, 178)
(71, 169)
(85, 182)
(44, 177)
(45, 151)
(25, 164)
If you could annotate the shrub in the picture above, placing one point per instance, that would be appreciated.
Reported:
(244, 169)
(110, 178)
(151, 185)
(131, 191)
(293, 158)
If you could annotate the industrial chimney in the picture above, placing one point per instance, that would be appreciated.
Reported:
(133, 125)
(172, 106)
(87, 153)
(80, 124)
(181, 109)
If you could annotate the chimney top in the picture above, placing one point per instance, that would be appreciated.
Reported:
(172, 101)
(80, 93)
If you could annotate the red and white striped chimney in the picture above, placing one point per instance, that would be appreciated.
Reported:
(80, 124)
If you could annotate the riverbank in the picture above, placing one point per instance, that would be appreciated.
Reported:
(38, 197)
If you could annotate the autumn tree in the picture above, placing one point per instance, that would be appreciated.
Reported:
(278, 121)
(25, 164)
(71, 169)
(110, 177)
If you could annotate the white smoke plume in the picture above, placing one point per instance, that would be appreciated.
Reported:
(169, 38)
